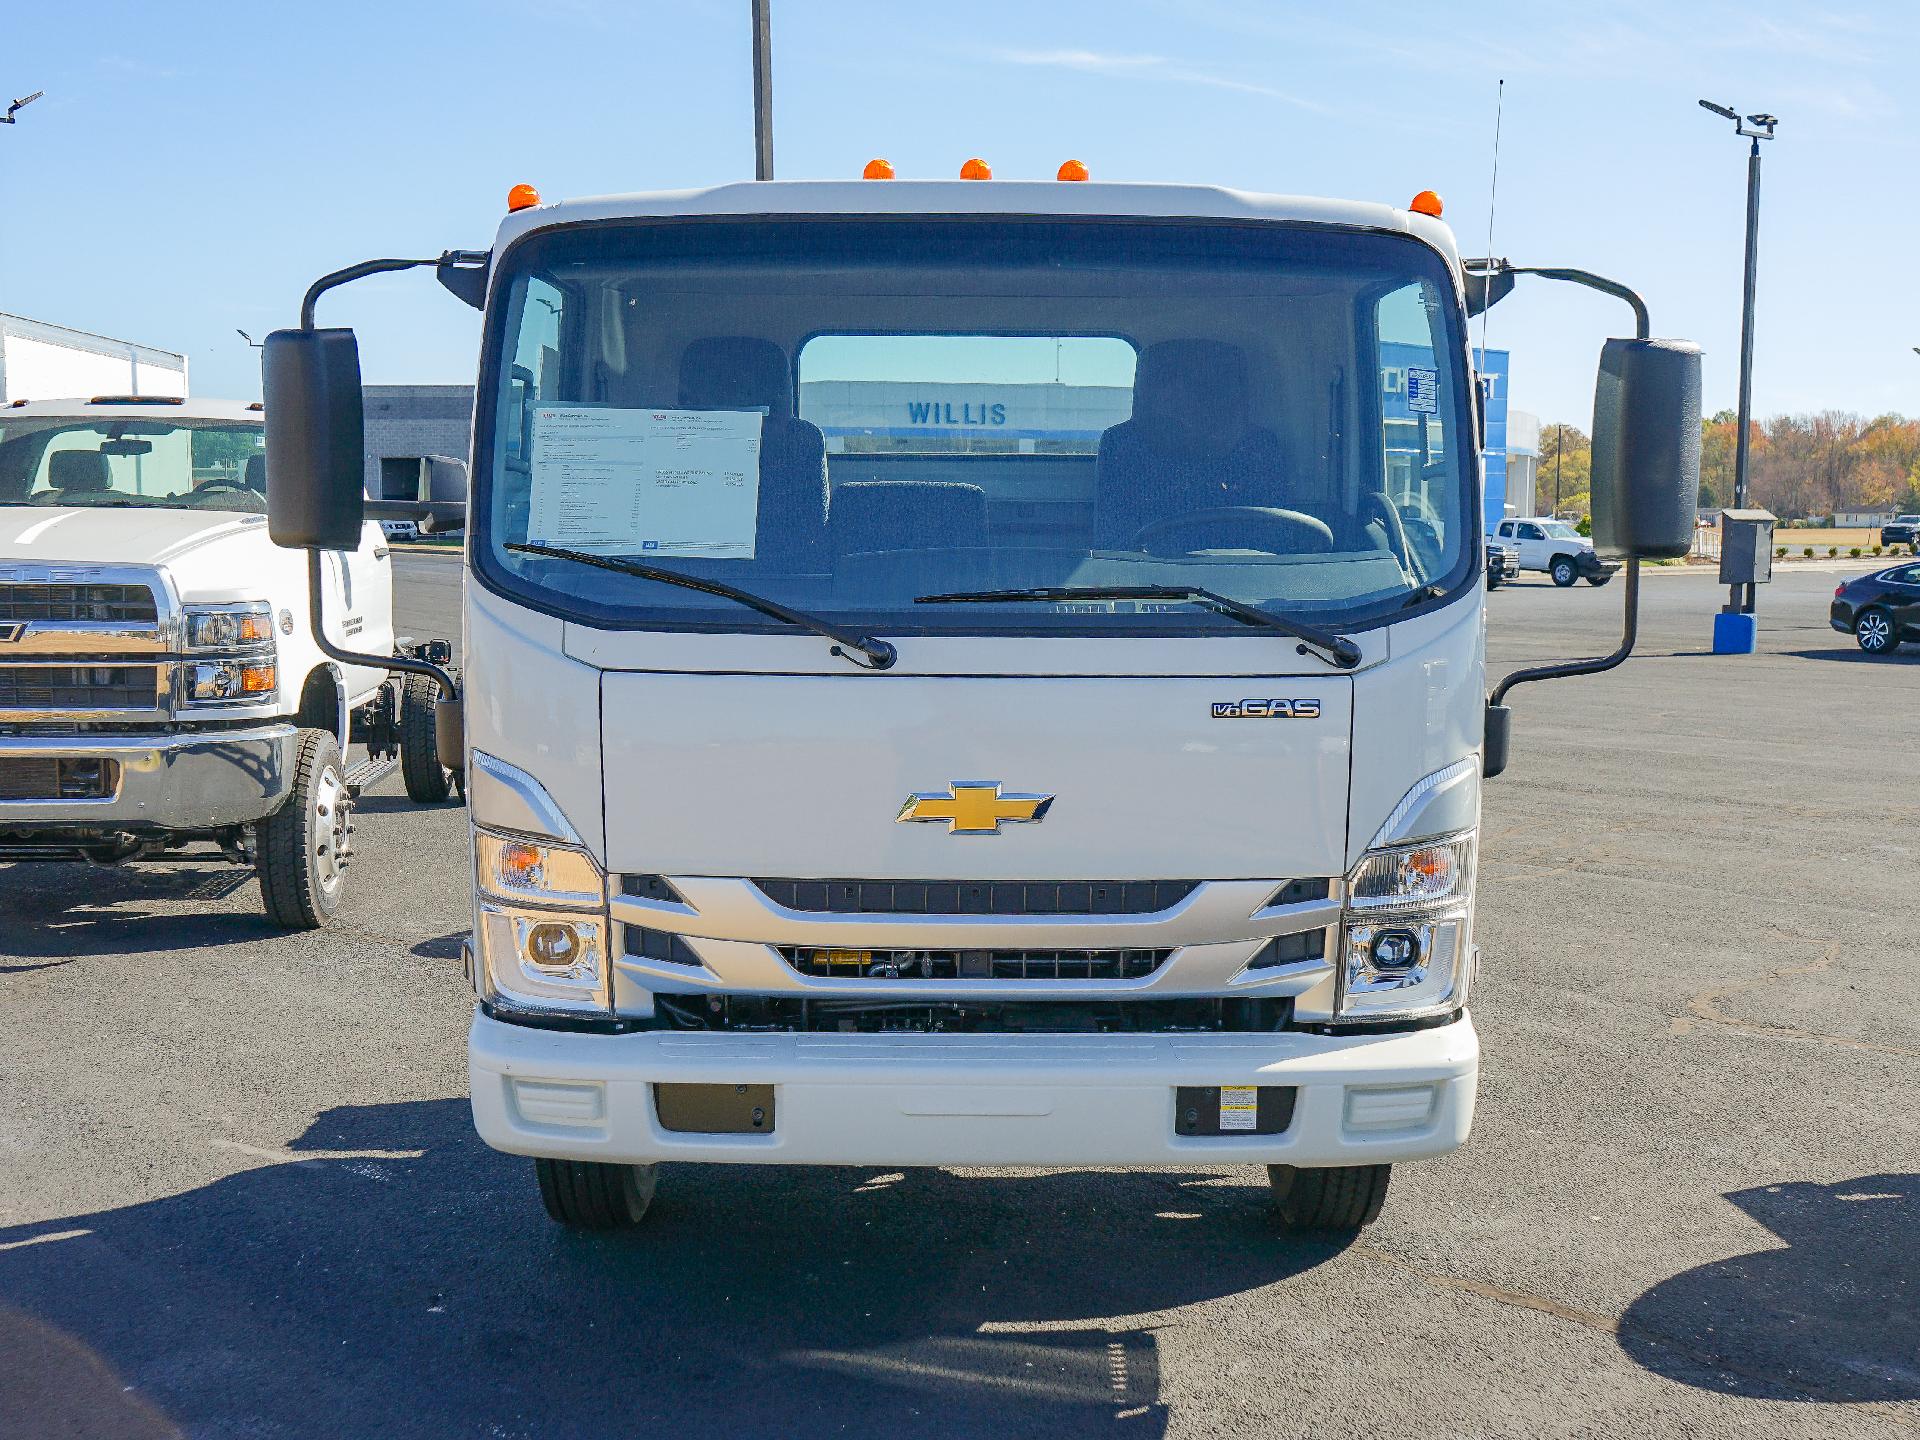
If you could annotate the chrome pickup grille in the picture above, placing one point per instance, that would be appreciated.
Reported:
(103, 604)
(78, 687)
(977, 897)
(974, 964)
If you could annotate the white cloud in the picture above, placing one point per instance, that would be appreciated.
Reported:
(1157, 67)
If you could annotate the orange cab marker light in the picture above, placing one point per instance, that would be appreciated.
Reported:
(1426, 203)
(522, 197)
(878, 170)
(976, 169)
(1072, 170)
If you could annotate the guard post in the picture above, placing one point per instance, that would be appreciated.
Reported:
(1746, 560)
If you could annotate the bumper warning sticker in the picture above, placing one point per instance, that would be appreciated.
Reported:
(1239, 1107)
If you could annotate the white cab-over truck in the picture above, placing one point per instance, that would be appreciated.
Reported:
(162, 689)
(975, 673)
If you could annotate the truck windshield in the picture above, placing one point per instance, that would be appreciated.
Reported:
(844, 414)
(97, 460)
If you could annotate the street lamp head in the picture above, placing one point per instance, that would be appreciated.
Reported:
(1767, 120)
(1725, 112)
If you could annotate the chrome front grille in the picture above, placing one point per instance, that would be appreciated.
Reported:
(99, 604)
(79, 687)
(978, 897)
(848, 964)
(841, 940)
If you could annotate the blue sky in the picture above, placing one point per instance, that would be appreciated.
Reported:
(194, 165)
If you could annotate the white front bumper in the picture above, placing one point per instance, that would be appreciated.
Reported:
(973, 1099)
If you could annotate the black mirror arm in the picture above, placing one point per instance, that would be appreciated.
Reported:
(448, 690)
(1629, 634)
(1641, 326)
(446, 259)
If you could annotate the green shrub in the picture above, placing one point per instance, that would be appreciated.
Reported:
(1855, 552)
(1780, 553)
(1833, 552)
(1808, 552)
(1876, 552)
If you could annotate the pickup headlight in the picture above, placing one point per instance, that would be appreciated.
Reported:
(230, 627)
(541, 925)
(1405, 951)
(213, 682)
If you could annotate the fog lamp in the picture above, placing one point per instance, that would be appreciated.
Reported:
(1395, 950)
(553, 945)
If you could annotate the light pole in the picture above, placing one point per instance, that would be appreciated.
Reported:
(762, 91)
(17, 106)
(1761, 129)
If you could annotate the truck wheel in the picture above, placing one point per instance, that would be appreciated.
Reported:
(301, 849)
(1493, 581)
(592, 1195)
(1562, 571)
(1874, 632)
(1337, 1198)
(1598, 580)
(427, 779)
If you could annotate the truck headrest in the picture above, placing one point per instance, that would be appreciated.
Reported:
(1191, 396)
(736, 372)
(78, 470)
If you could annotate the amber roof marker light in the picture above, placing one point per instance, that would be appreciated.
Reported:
(1072, 170)
(976, 169)
(1427, 202)
(522, 197)
(878, 169)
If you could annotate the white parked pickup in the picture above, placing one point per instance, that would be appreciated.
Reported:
(161, 685)
(1555, 547)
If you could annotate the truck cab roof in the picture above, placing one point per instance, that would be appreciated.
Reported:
(1086, 198)
(138, 407)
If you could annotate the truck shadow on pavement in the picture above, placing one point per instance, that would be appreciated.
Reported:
(1834, 1315)
(67, 911)
(402, 1280)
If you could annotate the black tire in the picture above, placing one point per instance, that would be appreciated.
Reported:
(1598, 580)
(1342, 1198)
(1562, 571)
(592, 1195)
(1493, 581)
(428, 781)
(1875, 632)
(301, 850)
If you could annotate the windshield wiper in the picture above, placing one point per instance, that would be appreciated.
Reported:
(879, 654)
(1334, 649)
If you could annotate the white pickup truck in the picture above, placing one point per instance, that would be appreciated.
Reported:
(1555, 547)
(162, 687)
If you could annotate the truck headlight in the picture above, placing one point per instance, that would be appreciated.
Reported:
(1405, 951)
(510, 867)
(230, 627)
(212, 682)
(542, 960)
(540, 925)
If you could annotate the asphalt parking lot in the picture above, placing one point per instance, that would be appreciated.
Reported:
(241, 1197)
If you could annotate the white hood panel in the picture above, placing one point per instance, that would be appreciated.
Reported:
(123, 534)
(804, 776)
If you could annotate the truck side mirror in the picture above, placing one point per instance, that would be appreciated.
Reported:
(316, 446)
(1646, 449)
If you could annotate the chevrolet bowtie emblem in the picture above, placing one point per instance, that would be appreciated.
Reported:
(974, 807)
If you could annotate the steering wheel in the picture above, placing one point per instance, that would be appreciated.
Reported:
(222, 482)
(1286, 532)
(1376, 503)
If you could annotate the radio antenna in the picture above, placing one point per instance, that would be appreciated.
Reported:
(1493, 193)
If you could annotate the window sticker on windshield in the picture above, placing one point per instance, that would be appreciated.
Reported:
(1423, 390)
(651, 483)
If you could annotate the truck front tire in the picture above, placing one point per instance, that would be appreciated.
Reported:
(301, 849)
(427, 780)
(1562, 570)
(592, 1195)
(1341, 1198)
